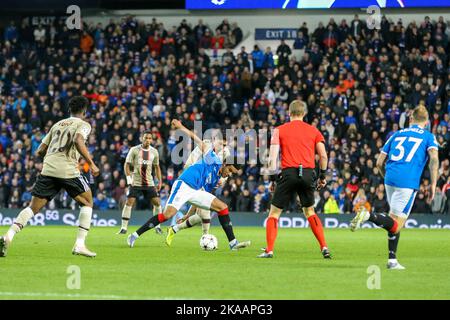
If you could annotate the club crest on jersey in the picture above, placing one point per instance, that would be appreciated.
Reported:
(144, 162)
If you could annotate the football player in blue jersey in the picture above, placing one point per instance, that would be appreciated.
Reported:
(191, 186)
(407, 151)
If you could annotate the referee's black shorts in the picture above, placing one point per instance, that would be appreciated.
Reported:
(289, 181)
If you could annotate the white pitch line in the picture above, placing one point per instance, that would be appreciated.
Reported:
(80, 295)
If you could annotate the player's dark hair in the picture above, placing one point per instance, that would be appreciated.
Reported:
(148, 131)
(78, 104)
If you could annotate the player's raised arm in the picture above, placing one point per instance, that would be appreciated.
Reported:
(178, 125)
(434, 170)
(83, 150)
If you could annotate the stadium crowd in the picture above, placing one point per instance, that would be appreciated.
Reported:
(360, 86)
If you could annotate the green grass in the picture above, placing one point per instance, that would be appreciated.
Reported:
(37, 262)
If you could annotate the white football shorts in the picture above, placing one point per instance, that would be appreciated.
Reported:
(401, 200)
(182, 193)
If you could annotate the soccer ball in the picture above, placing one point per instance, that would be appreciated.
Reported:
(208, 242)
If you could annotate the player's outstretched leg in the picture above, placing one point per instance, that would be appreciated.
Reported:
(169, 212)
(225, 221)
(392, 224)
(380, 219)
(188, 223)
(21, 221)
(157, 209)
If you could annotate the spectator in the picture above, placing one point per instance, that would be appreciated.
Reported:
(420, 204)
(331, 205)
(260, 199)
(86, 42)
(217, 42)
(101, 202)
(237, 33)
(380, 204)
(438, 202)
(39, 34)
(155, 43)
(206, 40)
(244, 201)
(360, 202)
(258, 57)
(300, 42)
(283, 52)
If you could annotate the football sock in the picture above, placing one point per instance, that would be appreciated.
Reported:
(126, 214)
(188, 223)
(206, 223)
(271, 233)
(384, 221)
(157, 210)
(21, 221)
(205, 216)
(225, 222)
(151, 223)
(316, 226)
(392, 244)
(83, 225)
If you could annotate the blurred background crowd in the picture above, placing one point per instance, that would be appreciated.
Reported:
(360, 86)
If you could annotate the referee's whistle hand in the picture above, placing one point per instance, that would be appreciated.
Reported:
(272, 187)
(321, 183)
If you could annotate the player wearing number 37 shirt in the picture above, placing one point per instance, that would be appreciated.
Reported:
(407, 151)
(61, 149)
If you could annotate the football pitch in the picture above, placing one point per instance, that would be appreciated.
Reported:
(40, 265)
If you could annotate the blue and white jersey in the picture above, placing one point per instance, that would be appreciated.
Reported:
(407, 154)
(203, 173)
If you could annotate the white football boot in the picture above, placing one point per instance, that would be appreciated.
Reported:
(394, 265)
(83, 251)
(361, 217)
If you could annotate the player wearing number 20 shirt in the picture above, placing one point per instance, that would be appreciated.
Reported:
(61, 149)
(61, 160)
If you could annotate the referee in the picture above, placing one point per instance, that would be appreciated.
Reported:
(299, 142)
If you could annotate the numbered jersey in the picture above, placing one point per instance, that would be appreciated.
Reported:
(61, 160)
(142, 161)
(407, 154)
